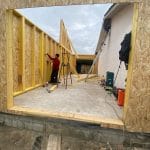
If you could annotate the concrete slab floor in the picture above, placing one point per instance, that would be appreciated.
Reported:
(83, 98)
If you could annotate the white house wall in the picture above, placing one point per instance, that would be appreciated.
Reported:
(109, 58)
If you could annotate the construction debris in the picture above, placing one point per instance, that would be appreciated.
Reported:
(52, 88)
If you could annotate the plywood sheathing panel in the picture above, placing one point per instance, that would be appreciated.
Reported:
(73, 63)
(3, 60)
(137, 114)
(50, 46)
(17, 55)
(64, 37)
(37, 58)
(28, 55)
(140, 96)
(44, 59)
(40, 3)
(50, 51)
(28, 39)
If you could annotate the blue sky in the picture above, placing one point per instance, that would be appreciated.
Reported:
(83, 23)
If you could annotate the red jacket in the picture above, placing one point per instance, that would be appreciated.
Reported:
(56, 62)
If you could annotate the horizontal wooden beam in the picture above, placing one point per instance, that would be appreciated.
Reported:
(111, 123)
(26, 90)
(90, 77)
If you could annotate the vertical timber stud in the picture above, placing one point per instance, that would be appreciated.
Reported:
(20, 73)
(131, 58)
(61, 59)
(41, 55)
(51, 47)
(60, 37)
(44, 60)
(55, 47)
(23, 51)
(9, 25)
(33, 54)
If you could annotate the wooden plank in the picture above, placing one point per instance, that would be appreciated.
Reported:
(60, 71)
(26, 19)
(74, 50)
(17, 54)
(42, 56)
(131, 57)
(90, 77)
(9, 60)
(73, 69)
(49, 50)
(37, 58)
(45, 58)
(64, 38)
(23, 51)
(33, 54)
(55, 47)
(54, 142)
(60, 36)
(28, 89)
(66, 49)
(28, 55)
(31, 88)
(67, 45)
(52, 88)
(111, 123)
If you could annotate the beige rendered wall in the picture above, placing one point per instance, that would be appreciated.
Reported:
(109, 59)
(137, 110)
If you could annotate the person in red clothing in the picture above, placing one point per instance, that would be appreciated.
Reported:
(55, 68)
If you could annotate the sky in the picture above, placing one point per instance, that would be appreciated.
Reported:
(83, 23)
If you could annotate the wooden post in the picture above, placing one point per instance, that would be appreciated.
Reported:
(41, 56)
(9, 60)
(23, 51)
(44, 59)
(131, 58)
(61, 32)
(33, 56)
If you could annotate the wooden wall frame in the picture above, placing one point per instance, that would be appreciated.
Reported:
(137, 110)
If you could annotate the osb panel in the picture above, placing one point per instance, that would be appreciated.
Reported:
(52, 48)
(137, 117)
(16, 54)
(50, 44)
(64, 38)
(49, 64)
(73, 63)
(28, 55)
(139, 98)
(3, 60)
(38, 77)
(57, 48)
(40, 3)
(45, 59)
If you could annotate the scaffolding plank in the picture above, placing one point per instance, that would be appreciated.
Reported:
(54, 142)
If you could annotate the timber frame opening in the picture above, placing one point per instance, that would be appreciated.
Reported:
(42, 37)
